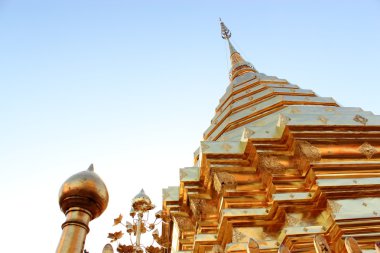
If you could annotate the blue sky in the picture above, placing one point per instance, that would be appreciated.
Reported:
(131, 85)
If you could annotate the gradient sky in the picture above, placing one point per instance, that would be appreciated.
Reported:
(131, 85)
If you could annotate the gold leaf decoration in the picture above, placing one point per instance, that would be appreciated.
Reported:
(360, 119)
(247, 133)
(118, 220)
(291, 220)
(115, 236)
(323, 119)
(152, 249)
(226, 147)
(204, 146)
(182, 174)
(283, 119)
(122, 248)
(368, 150)
(237, 236)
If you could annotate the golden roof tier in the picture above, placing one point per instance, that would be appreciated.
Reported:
(280, 170)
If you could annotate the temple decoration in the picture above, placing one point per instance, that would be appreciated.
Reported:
(280, 169)
(238, 65)
(82, 198)
(140, 224)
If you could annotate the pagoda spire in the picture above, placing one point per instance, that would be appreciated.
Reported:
(239, 65)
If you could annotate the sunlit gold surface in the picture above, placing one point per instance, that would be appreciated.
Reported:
(82, 198)
(280, 165)
(84, 189)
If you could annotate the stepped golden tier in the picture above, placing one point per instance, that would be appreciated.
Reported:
(280, 170)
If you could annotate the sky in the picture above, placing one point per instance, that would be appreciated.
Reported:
(130, 86)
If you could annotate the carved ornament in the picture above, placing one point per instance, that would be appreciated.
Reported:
(309, 151)
(184, 223)
(360, 119)
(237, 236)
(291, 220)
(368, 150)
(201, 206)
(271, 164)
(248, 133)
(223, 180)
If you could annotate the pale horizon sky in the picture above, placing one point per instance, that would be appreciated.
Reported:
(130, 86)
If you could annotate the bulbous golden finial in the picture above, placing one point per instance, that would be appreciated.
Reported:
(84, 190)
(141, 202)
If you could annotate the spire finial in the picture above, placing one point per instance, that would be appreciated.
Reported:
(226, 33)
(91, 168)
(239, 65)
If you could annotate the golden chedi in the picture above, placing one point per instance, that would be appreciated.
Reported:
(82, 198)
(280, 169)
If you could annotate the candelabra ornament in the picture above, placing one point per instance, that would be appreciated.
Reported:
(141, 206)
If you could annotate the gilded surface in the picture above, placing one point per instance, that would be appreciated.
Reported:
(224, 180)
(271, 164)
(82, 198)
(184, 223)
(352, 245)
(368, 150)
(291, 170)
(321, 245)
(309, 151)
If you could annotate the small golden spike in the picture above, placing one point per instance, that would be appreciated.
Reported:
(91, 167)
(253, 246)
(283, 249)
(321, 245)
(226, 33)
(352, 245)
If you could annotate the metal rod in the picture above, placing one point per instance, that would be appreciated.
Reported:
(138, 232)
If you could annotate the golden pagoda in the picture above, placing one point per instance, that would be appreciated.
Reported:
(280, 169)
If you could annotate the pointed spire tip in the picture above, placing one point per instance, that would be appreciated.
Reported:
(91, 167)
(226, 33)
